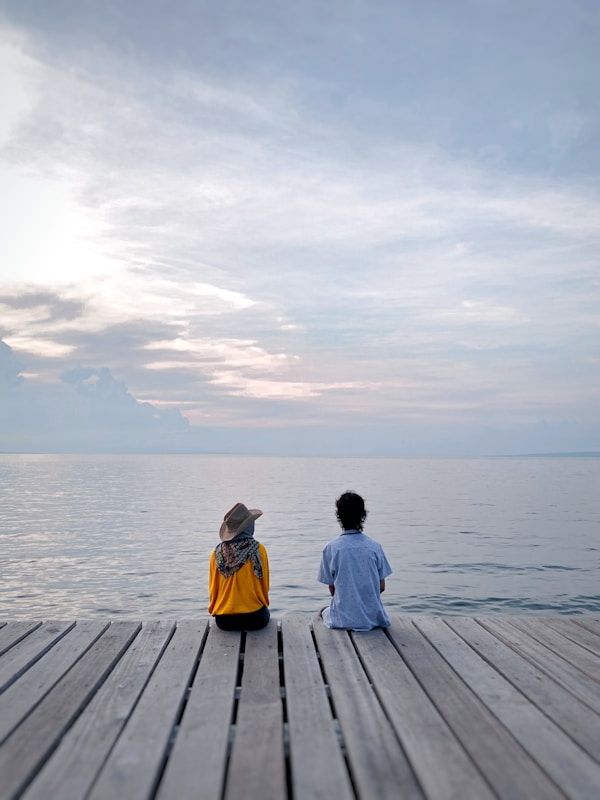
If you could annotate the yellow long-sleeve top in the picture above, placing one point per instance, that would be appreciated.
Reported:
(242, 592)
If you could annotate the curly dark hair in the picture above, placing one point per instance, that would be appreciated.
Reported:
(351, 511)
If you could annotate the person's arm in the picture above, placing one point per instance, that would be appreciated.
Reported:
(213, 582)
(326, 574)
(384, 569)
(266, 578)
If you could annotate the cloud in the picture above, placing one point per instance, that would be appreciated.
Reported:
(53, 306)
(258, 219)
(10, 368)
(87, 409)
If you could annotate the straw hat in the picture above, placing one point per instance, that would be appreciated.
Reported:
(237, 520)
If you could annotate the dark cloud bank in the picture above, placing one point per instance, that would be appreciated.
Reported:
(86, 411)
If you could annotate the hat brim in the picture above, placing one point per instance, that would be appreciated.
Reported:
(226, 534)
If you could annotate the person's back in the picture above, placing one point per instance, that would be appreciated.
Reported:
(354, 566)
(238, 582)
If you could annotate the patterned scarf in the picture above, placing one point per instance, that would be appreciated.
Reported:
(230, 556)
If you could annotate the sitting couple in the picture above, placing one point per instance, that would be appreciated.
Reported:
(353, 566)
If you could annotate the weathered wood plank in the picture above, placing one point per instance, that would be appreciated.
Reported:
(21, 697)
(379, 765)
(13, 632)
(560, 645)
(257, 764)
(442, 766)
(318, 769)
(589, 623)
(577, 633)
(133, 767)
(31, 743)
(196, 765)
(94, 713)
(72, 768)
(575, 772)
(574, 717)
(510, 770)
(579, 684)
(14, 662)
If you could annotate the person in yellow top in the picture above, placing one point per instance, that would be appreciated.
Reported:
(238, 581)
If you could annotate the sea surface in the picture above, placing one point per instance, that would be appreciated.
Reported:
(130, 535)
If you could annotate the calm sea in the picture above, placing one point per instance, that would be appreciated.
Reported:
(107, 536)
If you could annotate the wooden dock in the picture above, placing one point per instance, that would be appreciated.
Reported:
(435, 707)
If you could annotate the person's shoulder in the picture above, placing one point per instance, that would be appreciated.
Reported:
(332, 543)
(372, 542)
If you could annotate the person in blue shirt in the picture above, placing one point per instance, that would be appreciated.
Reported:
(354, 567)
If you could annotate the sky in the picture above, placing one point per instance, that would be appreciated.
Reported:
(354, 227)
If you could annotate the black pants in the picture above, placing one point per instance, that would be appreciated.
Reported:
(253, 621)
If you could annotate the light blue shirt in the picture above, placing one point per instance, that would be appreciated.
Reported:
(355, 564)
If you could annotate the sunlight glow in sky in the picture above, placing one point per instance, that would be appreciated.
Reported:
(365, 228)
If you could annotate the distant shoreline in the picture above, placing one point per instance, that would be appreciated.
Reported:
(573, 454)
(582, 454)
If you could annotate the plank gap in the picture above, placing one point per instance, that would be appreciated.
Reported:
(286, 733)
(384, 709)
(186, 696)
(336, 722)
(237, 693)
(238, 680)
